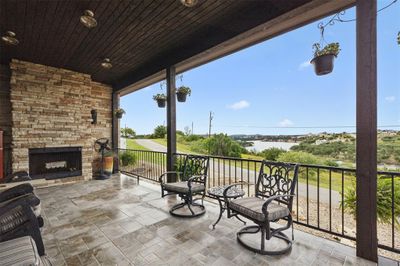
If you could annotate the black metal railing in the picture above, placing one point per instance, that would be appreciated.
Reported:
(319, 194)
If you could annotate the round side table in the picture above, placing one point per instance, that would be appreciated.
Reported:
(217, 193)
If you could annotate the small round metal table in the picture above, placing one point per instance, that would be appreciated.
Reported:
(217, 193)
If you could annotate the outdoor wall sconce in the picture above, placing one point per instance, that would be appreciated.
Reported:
(9, 38)
(189, 3)
(93, 112)
(88, 19)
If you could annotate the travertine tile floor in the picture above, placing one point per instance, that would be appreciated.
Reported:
(120, 222)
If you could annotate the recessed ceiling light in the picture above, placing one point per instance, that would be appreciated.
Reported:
(189, 3)
(106, 63)
(88, 19)
(9, 38)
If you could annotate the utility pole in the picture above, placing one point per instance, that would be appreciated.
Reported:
(192, 127)
(209, 130)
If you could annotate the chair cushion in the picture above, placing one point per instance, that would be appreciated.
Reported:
(252, 207)
(182, 187)
(19, 251)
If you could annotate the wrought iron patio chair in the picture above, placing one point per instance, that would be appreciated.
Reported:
(192, 181)
(17, 219)
(273, 201)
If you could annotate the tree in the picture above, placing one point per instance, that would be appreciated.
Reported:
(187, 131)
(220, 145)
(128, 132)
(160, 132)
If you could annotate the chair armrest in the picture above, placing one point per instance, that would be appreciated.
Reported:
(229, 187)
(160, 179)
(19, 174)
(28, 199)
(16, 191)
(194, 179)
(271, 199)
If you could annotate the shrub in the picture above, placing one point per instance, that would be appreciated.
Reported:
(384, 200)
(127, 158)
(272, 154)
(298, 157)
(191, 138)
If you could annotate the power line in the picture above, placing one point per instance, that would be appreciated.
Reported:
(301, 127)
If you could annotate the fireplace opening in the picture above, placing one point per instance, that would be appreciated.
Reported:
(52, 163)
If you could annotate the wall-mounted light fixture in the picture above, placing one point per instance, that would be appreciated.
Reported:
(93, 112)
(88, 19)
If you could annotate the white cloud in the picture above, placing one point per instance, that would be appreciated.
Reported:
(304, 65)
(239, 105)
(285, 123)
(390, 99)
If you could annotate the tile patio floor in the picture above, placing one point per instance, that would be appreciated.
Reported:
(118, 222)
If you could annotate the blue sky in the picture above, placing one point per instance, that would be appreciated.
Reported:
(270, 87)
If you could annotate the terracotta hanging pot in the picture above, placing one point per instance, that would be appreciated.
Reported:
(323, 64)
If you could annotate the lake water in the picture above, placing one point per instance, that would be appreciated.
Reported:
(262, 145)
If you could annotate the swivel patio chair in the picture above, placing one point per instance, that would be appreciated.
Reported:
(20, 191)
(191, 182)
(17, 219)
(273, 201)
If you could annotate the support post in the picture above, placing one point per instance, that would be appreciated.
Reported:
(367, 242)
(115, 127)
(171, 122)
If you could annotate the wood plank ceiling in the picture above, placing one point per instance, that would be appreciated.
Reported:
(140, 37)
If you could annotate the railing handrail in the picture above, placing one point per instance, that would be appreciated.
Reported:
(323, 167)
(228, 170)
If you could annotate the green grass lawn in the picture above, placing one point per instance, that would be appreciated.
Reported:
(184, 148)
(133, 145)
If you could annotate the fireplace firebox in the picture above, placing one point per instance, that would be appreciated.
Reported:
(53, 163)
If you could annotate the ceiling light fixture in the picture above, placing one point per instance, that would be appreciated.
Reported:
(88, 19)
(9, 38)
(106, 63)
(189, 3)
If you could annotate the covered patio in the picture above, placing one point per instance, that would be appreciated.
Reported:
(61, 82)
(119, 222)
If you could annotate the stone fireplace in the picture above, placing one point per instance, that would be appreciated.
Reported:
(53, 163)
(51, 112)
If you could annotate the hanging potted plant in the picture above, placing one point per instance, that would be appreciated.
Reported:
(119, 112)
(160, 98)
(323, 58)
(182, 92)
